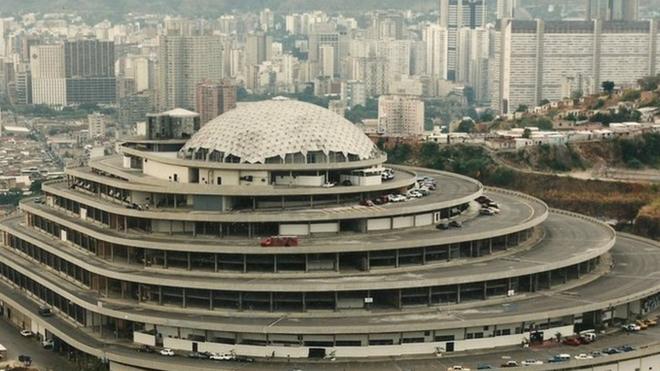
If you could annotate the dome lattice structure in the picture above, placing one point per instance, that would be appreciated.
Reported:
(261, 132)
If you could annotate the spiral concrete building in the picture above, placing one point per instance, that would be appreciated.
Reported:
(161, 246)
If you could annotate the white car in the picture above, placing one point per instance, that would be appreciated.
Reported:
(221, 357)
(167, 352)
(584, 356)
(531, 362)
(414, 194)
(632, 327)
(328, 185)
(398, 198)
(27, 333)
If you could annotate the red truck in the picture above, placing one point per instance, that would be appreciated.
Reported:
(274, 241)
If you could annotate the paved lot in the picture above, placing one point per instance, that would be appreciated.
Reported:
(41, 358)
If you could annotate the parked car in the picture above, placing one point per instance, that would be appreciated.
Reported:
(26, 333)
(560, 358)
(631, 327)
(611, 351)
(221, 357)
(367, 203)
(424, 191)
(398, 198)
(456, 224)
(510, 364)
(347, 183)
(483, 199)
(531, 362)
(381, 200)
(626, 348)
(484, 366)
(244, 359)
(328, 185)
(458, 368)
(414, 194)
(572, 341)
(146, 349)
(597, 353)
(197, 355)
(274, 241)
(444, 224)
(167, 352)
(486, 211)
(641, 324)
(583, 356)
(45, 312)
(494, 209)
(650, 322)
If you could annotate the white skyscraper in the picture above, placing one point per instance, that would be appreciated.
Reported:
(454, 15)
(435, 37)
(184, 62)
(506, 8)
(536, 60)
(327, 61)
(400, 116)
(48, 75)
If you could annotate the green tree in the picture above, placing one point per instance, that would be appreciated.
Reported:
(466, 126)
(649, 83)
(631, 95)
(429, 151)
(544, 102)
(608, 86)
(576, 94)
(527, 133)
(487, 116)
(522, 108)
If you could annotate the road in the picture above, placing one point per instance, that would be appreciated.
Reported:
(41, 358)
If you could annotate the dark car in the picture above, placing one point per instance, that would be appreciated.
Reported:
(456, 223)
(483, 366)
(367, 203)
(244, 359)
(347, 183)
(381, 200)
(442, 225)
(146, 349)
(45, 312)
(197, 355)
(611, 351)
(483, 199)
(626, 348)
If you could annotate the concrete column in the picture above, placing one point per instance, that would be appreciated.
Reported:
(458, 293)
(183, 296)
(210, 299)
(215, 262)
(165, 259)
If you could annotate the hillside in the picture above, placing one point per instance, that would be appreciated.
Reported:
(635, 154)
(622, 201)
